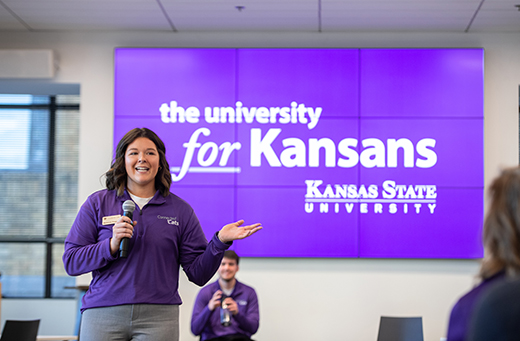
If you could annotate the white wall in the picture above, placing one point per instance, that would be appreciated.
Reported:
(57, 316)
(300, 299)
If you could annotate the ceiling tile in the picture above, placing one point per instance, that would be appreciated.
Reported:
(90, 15)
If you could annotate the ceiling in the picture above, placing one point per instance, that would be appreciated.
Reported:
(261, 15)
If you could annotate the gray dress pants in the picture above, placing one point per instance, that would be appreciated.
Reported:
(137, 322)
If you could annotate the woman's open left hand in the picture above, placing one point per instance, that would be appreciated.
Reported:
(236, 231)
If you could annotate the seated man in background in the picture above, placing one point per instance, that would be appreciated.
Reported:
(226, 309)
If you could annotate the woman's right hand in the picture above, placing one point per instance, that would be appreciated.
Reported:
(123, 228)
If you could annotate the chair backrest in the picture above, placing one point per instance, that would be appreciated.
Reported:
(400, 329)
(15, 330)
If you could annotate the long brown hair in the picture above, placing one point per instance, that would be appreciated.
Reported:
(502, 226)
(116, 176)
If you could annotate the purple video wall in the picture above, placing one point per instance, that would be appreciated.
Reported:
(337, 152)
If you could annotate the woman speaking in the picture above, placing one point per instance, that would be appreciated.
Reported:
(134, 296)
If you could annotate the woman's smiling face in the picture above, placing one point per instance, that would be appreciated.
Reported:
(142, 165)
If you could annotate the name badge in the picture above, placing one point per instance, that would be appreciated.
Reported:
(111, 219)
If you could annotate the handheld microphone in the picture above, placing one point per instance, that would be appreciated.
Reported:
(128, 211)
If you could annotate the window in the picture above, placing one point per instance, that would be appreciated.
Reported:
(38, 186)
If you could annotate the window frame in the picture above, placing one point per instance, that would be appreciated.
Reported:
(52, 107)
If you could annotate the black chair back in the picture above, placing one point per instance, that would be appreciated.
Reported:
(16, 330)
(400, 329)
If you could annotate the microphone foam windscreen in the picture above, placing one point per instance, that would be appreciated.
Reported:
(128, 206)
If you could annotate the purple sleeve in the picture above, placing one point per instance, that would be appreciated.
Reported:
(199, 259)
(249, 321)
(201, 313)
(461, 313)
(457, 323)
(83, 251)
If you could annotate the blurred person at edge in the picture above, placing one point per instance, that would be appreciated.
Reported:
(228, 293)
(501, 239)
(136, 298)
